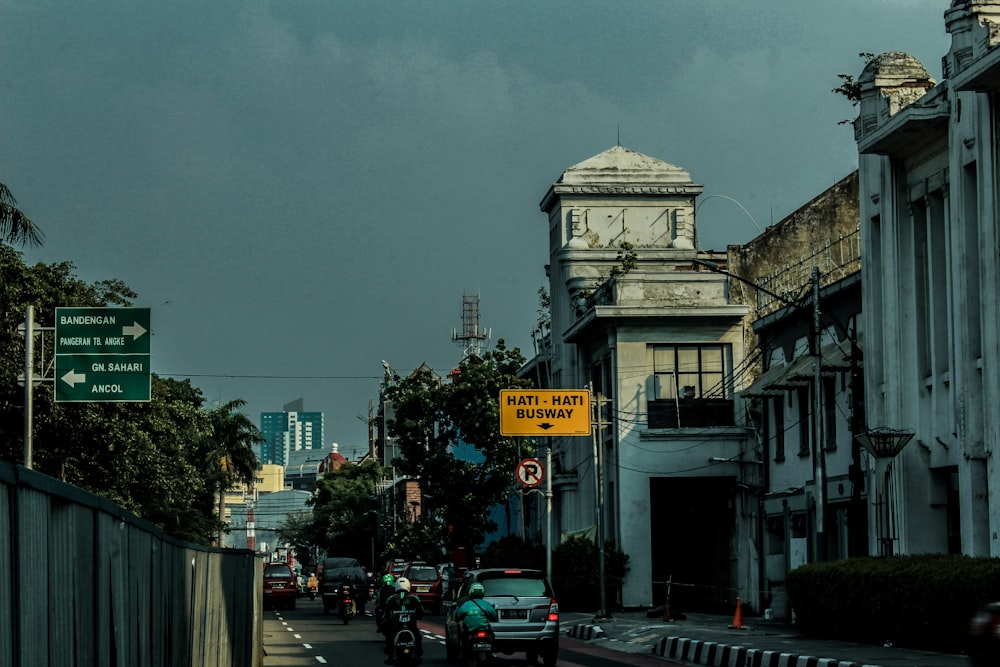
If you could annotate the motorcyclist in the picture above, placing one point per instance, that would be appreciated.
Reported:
(347, 590)
(312, 585)
(475, 613)
(402, 600)
(384, 593)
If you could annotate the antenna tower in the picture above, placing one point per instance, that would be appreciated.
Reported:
(472, 337)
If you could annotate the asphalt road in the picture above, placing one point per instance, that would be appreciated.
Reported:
(305, 636)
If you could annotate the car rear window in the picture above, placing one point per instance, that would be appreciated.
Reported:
(528, 587)
(422, 574)
(277, 572)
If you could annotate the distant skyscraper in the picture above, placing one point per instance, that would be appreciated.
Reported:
(289, 431)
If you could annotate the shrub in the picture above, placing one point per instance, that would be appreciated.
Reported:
(512, 551)
(922, 601)
(576, 574)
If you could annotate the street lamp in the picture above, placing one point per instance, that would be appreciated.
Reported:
(884, 444)
(742, 208)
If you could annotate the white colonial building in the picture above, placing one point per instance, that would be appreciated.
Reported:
(637, 318)
(931, 275)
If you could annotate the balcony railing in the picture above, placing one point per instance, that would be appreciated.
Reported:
(693, 412)
(836, 260)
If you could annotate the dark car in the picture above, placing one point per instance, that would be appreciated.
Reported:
(426, 584)
(280, 586)
(334, 572)
(527, 608)
(984, 636)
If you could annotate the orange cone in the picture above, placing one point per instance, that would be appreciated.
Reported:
(738, 616)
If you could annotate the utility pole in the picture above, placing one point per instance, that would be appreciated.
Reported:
(29, 381)
(548, 508)
(819, 449)
(598, 431)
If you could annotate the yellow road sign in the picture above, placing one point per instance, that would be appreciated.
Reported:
(544, 412)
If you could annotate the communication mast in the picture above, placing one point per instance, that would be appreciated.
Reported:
(472, 337)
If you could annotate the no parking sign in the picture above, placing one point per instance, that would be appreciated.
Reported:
(530, 472)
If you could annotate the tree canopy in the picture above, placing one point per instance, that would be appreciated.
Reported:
(15, 226)
(165, 460)
(448, 433)
(345, 516)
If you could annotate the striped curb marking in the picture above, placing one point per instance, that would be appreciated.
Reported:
(723, 655)
(585, 631)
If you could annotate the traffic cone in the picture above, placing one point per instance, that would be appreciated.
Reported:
(738, 616)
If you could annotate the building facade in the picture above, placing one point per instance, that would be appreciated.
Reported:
(802, 278)
(636, 318)
(931, 266)
(291, 430)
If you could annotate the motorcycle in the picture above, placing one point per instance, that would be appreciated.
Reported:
(404, 643)
(313, 592)
(478, 646)
(345, 608)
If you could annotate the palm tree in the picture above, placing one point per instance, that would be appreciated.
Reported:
(233, 437)
(15, 226)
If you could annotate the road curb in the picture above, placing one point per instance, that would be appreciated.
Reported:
(586, 631)
(725, 655)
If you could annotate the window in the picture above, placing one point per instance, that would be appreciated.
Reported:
(691, 386)
(805, 412)
(830, 413)
(777, 424)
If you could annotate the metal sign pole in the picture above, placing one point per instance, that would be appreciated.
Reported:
(29, 380)
(548, 510)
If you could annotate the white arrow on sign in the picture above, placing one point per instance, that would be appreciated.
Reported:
(135, 330)
(72, 377)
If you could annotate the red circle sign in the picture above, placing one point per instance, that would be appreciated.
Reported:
(530, 472)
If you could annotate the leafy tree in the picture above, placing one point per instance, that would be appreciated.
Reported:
(229, 457)
(576, 573)
(345, 516)
(422, 539)
(15, 226)
(513, 551)
(299, 531)
(850, 88)
(160, 460)
(434, 418)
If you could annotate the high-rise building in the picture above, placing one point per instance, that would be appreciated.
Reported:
(289, 431)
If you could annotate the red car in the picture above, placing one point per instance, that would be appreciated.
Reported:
(280, 587)
(426, 584)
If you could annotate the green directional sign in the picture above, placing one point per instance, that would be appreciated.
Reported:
(102, 354)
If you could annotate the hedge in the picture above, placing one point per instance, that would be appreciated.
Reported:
(922, 601)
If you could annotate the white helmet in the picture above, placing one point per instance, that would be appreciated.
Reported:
(403, 584)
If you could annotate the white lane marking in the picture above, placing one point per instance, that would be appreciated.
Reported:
(321, 659)
(308, 646)
(298, 636)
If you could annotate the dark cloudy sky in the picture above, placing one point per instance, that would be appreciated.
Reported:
(301, 189)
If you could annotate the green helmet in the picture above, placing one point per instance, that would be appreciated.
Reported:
(388, 579)
(477, 590)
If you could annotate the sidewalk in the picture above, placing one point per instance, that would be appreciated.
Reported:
(706, 639)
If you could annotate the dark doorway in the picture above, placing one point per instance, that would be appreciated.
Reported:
(691, 523)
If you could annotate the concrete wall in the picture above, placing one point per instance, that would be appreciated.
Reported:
(91, 584)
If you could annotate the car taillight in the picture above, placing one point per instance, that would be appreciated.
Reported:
(553, 610)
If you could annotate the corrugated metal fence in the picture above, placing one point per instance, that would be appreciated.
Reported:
(85, 583)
